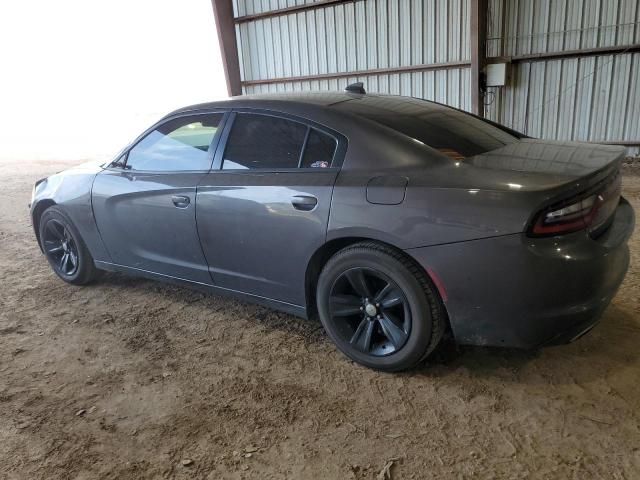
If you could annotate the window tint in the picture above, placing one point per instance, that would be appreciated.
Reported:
(454, 133)
(263, 141)
(177, 145)
(319, 150)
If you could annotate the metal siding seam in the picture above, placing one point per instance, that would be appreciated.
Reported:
(312, 42)
(393, 34)
(253, 52)
(270, 44)
(592, 86)
(351, 36)
(361, 34)
(465, 31)
(278, 51)
(429, 35)
(615, 129)
(405, 25)
(561, 102)
(525, 119)
(632, 122)
(241, 60)
(303, 45)
(283, 26)
(417, 32)
(381, 30)
(332, 49)
(575, 105)
(339, 27)
(453, 26)
(545, 37)
(372, 56)
(258, 40)
(293, 45)
(321, 41)
(530, 25)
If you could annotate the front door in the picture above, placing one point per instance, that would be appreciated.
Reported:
(144, 204)
(263, 209)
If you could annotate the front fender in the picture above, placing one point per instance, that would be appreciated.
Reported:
(71, 191)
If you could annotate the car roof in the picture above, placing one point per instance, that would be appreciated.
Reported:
(343, 102)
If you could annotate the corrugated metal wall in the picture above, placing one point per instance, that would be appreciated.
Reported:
(450, 86)
(521, 27)
(358, 36)
(591, 98)
(595, 98)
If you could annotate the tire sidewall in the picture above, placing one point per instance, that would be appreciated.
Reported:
(421, 318)
(84, 259)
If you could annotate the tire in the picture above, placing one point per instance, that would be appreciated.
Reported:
(59, 237)
(401, 318)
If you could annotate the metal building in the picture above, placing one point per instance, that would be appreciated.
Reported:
(566, 69)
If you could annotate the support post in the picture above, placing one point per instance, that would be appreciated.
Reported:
(478, 40)
(225, 24)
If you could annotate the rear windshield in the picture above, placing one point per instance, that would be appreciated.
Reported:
(454, 133)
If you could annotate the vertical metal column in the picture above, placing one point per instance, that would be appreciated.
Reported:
(225, 24)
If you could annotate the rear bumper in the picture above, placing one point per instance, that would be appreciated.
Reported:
(522, 292)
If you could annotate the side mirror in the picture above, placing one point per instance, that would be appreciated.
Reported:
(120, 162)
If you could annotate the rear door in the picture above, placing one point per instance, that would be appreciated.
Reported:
(144, 204)
(263, 209)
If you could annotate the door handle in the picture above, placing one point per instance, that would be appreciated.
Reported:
(304, 202)
(180, 201)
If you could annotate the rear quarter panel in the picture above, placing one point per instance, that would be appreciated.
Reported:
(440, 204)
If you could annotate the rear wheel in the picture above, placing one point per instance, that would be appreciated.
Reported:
(62, 245)
(379, 307)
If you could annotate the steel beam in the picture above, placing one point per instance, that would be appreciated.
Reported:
(584, 52)
(289, 10)
(223, 13)
(358, 73)
(478, 39)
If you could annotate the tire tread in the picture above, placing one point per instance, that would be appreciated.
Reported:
(88, 272)
(436, 306)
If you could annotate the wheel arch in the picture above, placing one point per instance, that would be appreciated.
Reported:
(36, 215)
(330, 248)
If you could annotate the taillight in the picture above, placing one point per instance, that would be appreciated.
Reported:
(591, 210)
(565, 219)
(606, 203)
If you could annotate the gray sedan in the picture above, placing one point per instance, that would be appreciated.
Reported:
(393, 219)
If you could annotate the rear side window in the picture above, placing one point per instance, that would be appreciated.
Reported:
(263, 141)
(267, 142)
(181, 144)
(319, 150)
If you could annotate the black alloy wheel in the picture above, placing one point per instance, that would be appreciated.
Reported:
(60, 248)
(369, 311)
(379, 306)
(64, 248)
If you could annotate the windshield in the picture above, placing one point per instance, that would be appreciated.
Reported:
(454, 133)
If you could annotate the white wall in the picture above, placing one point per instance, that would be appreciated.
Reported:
(81, 78)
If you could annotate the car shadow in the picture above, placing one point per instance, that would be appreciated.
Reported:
(613, 343)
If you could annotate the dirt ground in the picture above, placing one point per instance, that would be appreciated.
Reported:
(129, 378)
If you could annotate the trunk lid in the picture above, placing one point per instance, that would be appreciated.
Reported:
(535, 165)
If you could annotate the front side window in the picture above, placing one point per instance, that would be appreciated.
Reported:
(181, 144)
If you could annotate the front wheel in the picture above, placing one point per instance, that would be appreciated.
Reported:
(62, 245)
(379, 307)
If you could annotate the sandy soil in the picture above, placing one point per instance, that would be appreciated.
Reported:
(129, 378)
